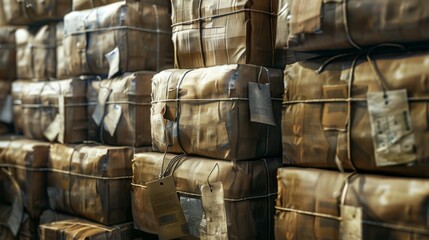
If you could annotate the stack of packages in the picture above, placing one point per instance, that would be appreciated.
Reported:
(362, 112)
(27, 56)
(113, 49)
(215, 123)
(78, 81)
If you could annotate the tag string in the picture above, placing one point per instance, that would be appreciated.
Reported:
(260, 76)
(347, 27)
(208, 177)
(178, 109)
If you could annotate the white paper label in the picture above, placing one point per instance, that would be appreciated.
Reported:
(98, 113)
(52, 131)
(261, 110)
(391, 127)
(111, 120)
(351, 223)
(113, 57)
(214, 212)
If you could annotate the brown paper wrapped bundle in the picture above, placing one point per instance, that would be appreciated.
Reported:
(249, 191)
(326, 122)
(309, 205)
(36, 52)
(129, 98)
(26, 160)
(55, 110)
(91, 181)
(223, 32)
(25, 12)
(118, 38)
(7, 53)
(76, 229)
(206, 112)
(309, 25)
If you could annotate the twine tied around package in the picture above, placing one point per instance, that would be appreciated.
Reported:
(200, 20)
(349, 100)
(172, 127)
(176, 162)
(342, 195)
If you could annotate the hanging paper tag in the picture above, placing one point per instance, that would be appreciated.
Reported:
(98, 113)
(6, 113)
(391, 127)
(52, 131)
(261, 110)
(351, 223)
(113, 57)
(193, 210)
(112, 118)
(214, 212)
(166, 208)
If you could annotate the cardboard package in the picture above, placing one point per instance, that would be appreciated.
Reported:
(207, 112)
(223, 32)
(25, 12)
(328, 124)
(249, 191)
(91, 181)
(124, 118)
(76, 229)
(36, 53)
(310, 206)
(118, 38)
(7, 53)
(55, 110)
(326, 25)
(26, 161)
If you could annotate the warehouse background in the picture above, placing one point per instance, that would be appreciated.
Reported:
(213, 119)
